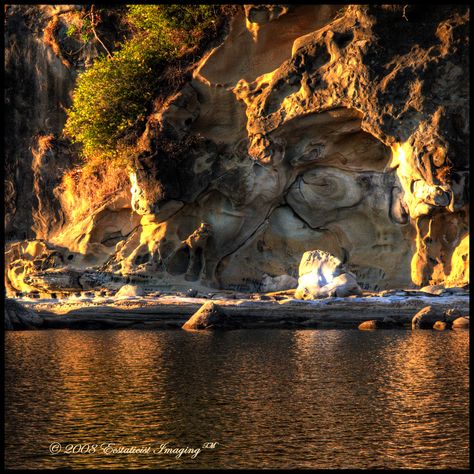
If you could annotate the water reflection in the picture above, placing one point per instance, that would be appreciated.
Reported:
(271, 398)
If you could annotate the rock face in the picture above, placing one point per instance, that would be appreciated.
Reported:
(322, 275)
(41, 66)
(314, 126)
(209, 316)
(18, 317)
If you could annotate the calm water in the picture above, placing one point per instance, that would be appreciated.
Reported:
(270, 398)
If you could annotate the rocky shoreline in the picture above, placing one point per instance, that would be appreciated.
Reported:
(280, 310)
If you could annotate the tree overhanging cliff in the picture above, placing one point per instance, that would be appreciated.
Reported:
(112, 98)
(295, 128)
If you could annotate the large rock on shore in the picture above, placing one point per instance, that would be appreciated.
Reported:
(210, 316)
(426, 318)
(322, 274)
(18, 317)
(386, 323)
(130, 290)
(461, 323)
(370, 325)
(440, 325)
(278, 283)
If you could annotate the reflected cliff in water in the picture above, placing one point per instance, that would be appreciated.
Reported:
(270, 398)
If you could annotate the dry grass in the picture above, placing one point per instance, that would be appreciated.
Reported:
(50, 39)
(84, 189)
(45, 142)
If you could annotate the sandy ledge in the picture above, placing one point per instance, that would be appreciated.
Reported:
(168, 312)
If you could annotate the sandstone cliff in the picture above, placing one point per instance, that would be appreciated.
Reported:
(41, 66)
(308, 127)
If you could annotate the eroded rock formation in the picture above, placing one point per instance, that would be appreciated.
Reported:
(309, 127)
(41, 66)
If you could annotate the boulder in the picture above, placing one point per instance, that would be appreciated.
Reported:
(461, 323)
(18, 317)
(342, 286)
(322, 263)
(387, 323)
(191, 293)
(369, 325)
(278, 283)
(130, 290)
(440, 325)
(435, 290)
(322, 274)
(426, 318)
(210, 316)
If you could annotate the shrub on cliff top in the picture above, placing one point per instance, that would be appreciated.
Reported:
(114, 95)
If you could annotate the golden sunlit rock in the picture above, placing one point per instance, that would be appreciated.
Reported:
(302, 128)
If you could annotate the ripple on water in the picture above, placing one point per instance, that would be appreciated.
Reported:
(271, 398)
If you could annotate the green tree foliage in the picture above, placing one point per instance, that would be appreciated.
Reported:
(112, 97)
